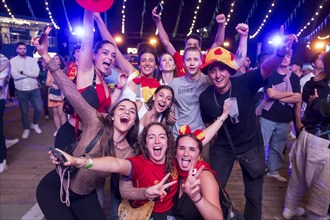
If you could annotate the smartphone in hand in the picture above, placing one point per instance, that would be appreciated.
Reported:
(42, 36)
(58, 155)
(159, 9)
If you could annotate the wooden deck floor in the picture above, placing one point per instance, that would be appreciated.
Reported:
(28, 162)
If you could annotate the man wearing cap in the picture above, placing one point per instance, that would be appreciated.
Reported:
(244, 135)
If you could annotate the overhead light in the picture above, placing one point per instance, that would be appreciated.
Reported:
(118, 39)
(79, 31)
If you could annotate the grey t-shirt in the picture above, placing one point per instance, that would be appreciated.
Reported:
(186, 92)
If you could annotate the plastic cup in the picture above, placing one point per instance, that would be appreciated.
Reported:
(233, 111)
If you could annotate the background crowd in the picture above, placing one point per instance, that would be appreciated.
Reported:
(160, 125)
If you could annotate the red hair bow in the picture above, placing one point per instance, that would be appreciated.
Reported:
(199, 133)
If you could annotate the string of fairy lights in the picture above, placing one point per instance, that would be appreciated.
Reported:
(263, 21)
(50, 15)
(123, 17)
(311, 20)
(230, 12)
(8, 10)
(195, 17)
(323, 38)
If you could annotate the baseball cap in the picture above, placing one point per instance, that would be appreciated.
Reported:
(219, 55)
(95, 5)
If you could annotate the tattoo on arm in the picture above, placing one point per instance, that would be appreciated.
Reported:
(239, 54)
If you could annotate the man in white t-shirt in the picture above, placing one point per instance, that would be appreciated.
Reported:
(25, 71)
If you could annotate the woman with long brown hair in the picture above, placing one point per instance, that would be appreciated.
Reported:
(113, 134)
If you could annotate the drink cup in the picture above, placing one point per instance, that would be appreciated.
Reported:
(233, 111)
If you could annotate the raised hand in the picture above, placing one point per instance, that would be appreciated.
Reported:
(220, 18)
(242, 29)
(287, 41)
(192, 185)
(226, 109)
(155, 16)
(42, 43)
(158, 190)
(122, 79)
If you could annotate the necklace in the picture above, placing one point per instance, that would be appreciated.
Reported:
(215, 97)
(116, 143)
(122, 148)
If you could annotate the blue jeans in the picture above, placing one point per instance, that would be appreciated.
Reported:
(222, 161)
(24, 97)
(276, 134)
(3, 149)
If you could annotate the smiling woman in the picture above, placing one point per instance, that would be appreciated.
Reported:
(156, 159)
(157, 108)
(118, 135)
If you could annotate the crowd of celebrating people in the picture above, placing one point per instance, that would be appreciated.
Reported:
(169, 140)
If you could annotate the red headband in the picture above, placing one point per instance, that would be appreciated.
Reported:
(199, 133)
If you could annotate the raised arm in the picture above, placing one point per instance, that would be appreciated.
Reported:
(85, 70)
(212, 129)
(163, 37)
(243, 31)
(122, 63)
(220, 36)
(273, 61)
(69, 89)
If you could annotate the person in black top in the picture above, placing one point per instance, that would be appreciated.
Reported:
(310, 153)
(245, 135)
(281, 93)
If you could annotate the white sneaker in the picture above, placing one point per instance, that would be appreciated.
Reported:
(46, 117)
(36, 128)
(12, 142)
(3, 166)
(55, 133)
(26, 133)
(288, 213)
(278, 177)
(292, 135)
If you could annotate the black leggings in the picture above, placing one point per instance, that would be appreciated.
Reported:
(82, 206)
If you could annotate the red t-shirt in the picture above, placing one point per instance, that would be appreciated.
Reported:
(72, 70)
(145, 173)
